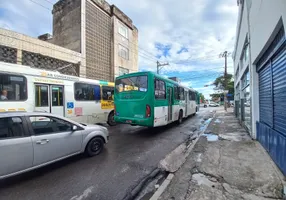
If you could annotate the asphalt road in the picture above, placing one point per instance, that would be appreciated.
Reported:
(131, 154)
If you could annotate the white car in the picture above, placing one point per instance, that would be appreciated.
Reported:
(213, 104)
(32, 140)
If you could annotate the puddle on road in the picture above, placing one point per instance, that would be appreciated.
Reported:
(199, 157)
(201, 179)
(211, 137)
(217, 121)
(205, 124)
(235, 136)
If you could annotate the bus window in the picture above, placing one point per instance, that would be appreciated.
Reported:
(135, 83)
(57, 96)
(181, 93)
(86, 92)
(13, 88)
(176, 92)
(160, 89)
(42, 95)
(107, 93)
(192, 96)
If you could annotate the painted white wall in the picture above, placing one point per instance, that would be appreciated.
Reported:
(264, 17)
(243, 30)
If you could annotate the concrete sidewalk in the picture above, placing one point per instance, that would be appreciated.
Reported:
(226, 164)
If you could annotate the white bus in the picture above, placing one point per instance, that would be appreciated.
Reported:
(24, 88)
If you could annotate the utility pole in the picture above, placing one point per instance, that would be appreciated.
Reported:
(160, 66)
(225, 55)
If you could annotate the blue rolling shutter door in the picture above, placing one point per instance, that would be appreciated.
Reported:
(279, 91)
(265, 96)
(271, 128)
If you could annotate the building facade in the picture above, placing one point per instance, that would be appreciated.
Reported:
(21, 49)
(102, 33)
(260, 74)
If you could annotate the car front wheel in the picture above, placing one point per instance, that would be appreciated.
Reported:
(94, 146)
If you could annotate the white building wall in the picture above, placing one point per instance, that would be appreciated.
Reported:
(261, 22)
(243, 30)
(263, 18)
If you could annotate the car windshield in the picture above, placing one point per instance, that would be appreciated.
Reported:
(134, 83)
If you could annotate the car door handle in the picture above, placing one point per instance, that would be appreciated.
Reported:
(43, 141)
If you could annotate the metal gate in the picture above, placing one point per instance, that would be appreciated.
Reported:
(271, 128)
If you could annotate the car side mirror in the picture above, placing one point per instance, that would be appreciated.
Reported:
(74, 128)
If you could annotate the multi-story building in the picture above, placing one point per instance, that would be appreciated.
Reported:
(18, 48)
(102, 33)
(260, 74)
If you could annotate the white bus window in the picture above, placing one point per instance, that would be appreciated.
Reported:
(42, 95)
(107, 93)
(57, 96)
(86, 92)
(13, 88)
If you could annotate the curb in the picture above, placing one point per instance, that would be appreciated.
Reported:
(133, 193)
(168, 180)
(163, 187)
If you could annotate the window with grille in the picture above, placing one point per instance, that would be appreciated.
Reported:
(123, 30)
(123, 52)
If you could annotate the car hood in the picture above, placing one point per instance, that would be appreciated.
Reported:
(95, 127)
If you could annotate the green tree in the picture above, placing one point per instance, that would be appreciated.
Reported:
(219, 84)
(202, 97)
(220, 80)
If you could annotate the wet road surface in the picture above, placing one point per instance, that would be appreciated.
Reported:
(131, 154)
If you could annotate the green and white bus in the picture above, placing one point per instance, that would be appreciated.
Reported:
(147, 99)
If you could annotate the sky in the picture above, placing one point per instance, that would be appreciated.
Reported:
(189, 35)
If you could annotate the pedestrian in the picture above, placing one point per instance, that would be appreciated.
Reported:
(4, 95)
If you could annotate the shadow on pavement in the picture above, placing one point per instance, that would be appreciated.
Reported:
(46, 170)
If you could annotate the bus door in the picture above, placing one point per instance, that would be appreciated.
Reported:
(49, 98)
(170, 103)
(187, 102)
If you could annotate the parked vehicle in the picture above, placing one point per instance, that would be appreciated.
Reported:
(80, 99)
(152, 100)
(213, 104)
(32, 140)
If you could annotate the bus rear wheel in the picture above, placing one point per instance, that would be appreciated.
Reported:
(110, 120)
(180, 119)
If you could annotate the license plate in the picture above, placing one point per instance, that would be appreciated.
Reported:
(128, 121)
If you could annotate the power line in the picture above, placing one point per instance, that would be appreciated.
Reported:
(207, 69)
(145, 52)
(49, 2)
(201, 76)
(160, 66)
(40, 5)
(138, 53)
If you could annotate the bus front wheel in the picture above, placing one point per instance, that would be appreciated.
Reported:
(110, 120)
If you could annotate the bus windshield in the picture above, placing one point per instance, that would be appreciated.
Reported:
(134, 83)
